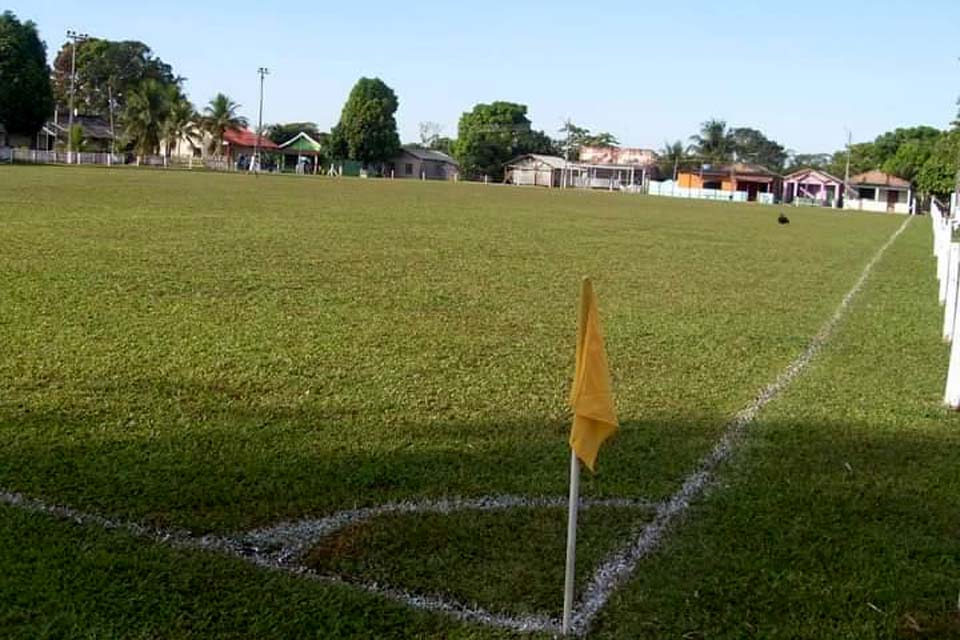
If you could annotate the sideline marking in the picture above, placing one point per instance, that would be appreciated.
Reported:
(280, 547)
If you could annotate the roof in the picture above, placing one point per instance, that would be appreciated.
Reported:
(880, 179)
(737, 168)
(625, 156)
(554, 162)
(302, 142)
(94, 127)
(429, 154)
(822, 176)
(247, 138)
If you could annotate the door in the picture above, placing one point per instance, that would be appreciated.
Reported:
(892, 197)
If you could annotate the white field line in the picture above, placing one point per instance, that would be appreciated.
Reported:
(281, 547)
(618, 566)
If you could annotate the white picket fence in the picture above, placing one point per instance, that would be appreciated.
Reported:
(947, 253)
(36, 156)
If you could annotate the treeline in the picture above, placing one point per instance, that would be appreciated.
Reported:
(143, 98)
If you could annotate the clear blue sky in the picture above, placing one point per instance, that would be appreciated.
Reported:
(648, 72)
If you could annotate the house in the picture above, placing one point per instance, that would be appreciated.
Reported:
(302, 152)
(742, 177)
(645, 159)
(536, 170)
(612, 168)
(240, 145)
(879, 191)
(812, 186)
(98, 135)
(425, 164)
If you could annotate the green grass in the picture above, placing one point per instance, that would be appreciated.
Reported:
(839, 518)
(219, 352)
(508, 561)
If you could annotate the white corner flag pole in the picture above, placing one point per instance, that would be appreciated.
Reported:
(571, 541)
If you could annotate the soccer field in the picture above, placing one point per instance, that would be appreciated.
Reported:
(208, 354)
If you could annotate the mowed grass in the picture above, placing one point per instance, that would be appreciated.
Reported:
(839, 518)
(220, 352)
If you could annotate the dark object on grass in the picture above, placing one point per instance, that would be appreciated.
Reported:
(783, 219)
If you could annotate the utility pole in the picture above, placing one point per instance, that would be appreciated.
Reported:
(263, 72)
(76, 38)
(846, 174)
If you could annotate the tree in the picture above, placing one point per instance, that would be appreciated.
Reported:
(886, 145)
(713, 144)
(602, 139)
(491, 134)
(77, 141)
(672, 157)
(219, 116)
(575, 138)
(751, 145)
(26, 100)
(367, 131)
(148, 107)
(181, 123)
(938, 175)
(106, 70)
(430, 132)
(809, 161)
(862, 158)
(282, 132)
(909, 159)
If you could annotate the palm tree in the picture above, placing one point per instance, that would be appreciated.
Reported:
(147, 107)
(218, 117)
(181, 124)
(714, 143)
(672, 156)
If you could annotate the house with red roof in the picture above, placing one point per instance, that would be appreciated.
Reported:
(242, 143)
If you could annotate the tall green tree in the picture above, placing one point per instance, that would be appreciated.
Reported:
(751, 145)
(672, 157)
(181, 123)
(491, 134)
(819, 161)
(220, 115)
(144, 117)
(713, 144)
(367, 130)
(282, 132)
(573, 138)
(863, 157)
(26, 99)
(106, 70)
(938, 175)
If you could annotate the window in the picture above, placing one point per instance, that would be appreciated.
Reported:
(408, 169)
(712, 185)
(866, 193)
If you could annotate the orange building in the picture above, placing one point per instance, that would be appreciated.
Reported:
(740, 176)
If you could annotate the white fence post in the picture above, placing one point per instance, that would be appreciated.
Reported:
(950, 310)
(952, 395)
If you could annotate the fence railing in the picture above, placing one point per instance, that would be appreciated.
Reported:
(947, 253)
(38, 156)
(671, 190)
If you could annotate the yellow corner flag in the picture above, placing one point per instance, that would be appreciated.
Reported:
(594, 418)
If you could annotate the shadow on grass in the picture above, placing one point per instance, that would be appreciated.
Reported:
(817, 529)
(229, 466)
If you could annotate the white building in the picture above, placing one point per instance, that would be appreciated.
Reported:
(880, 192)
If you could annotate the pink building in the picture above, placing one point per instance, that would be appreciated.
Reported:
(813, 187)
